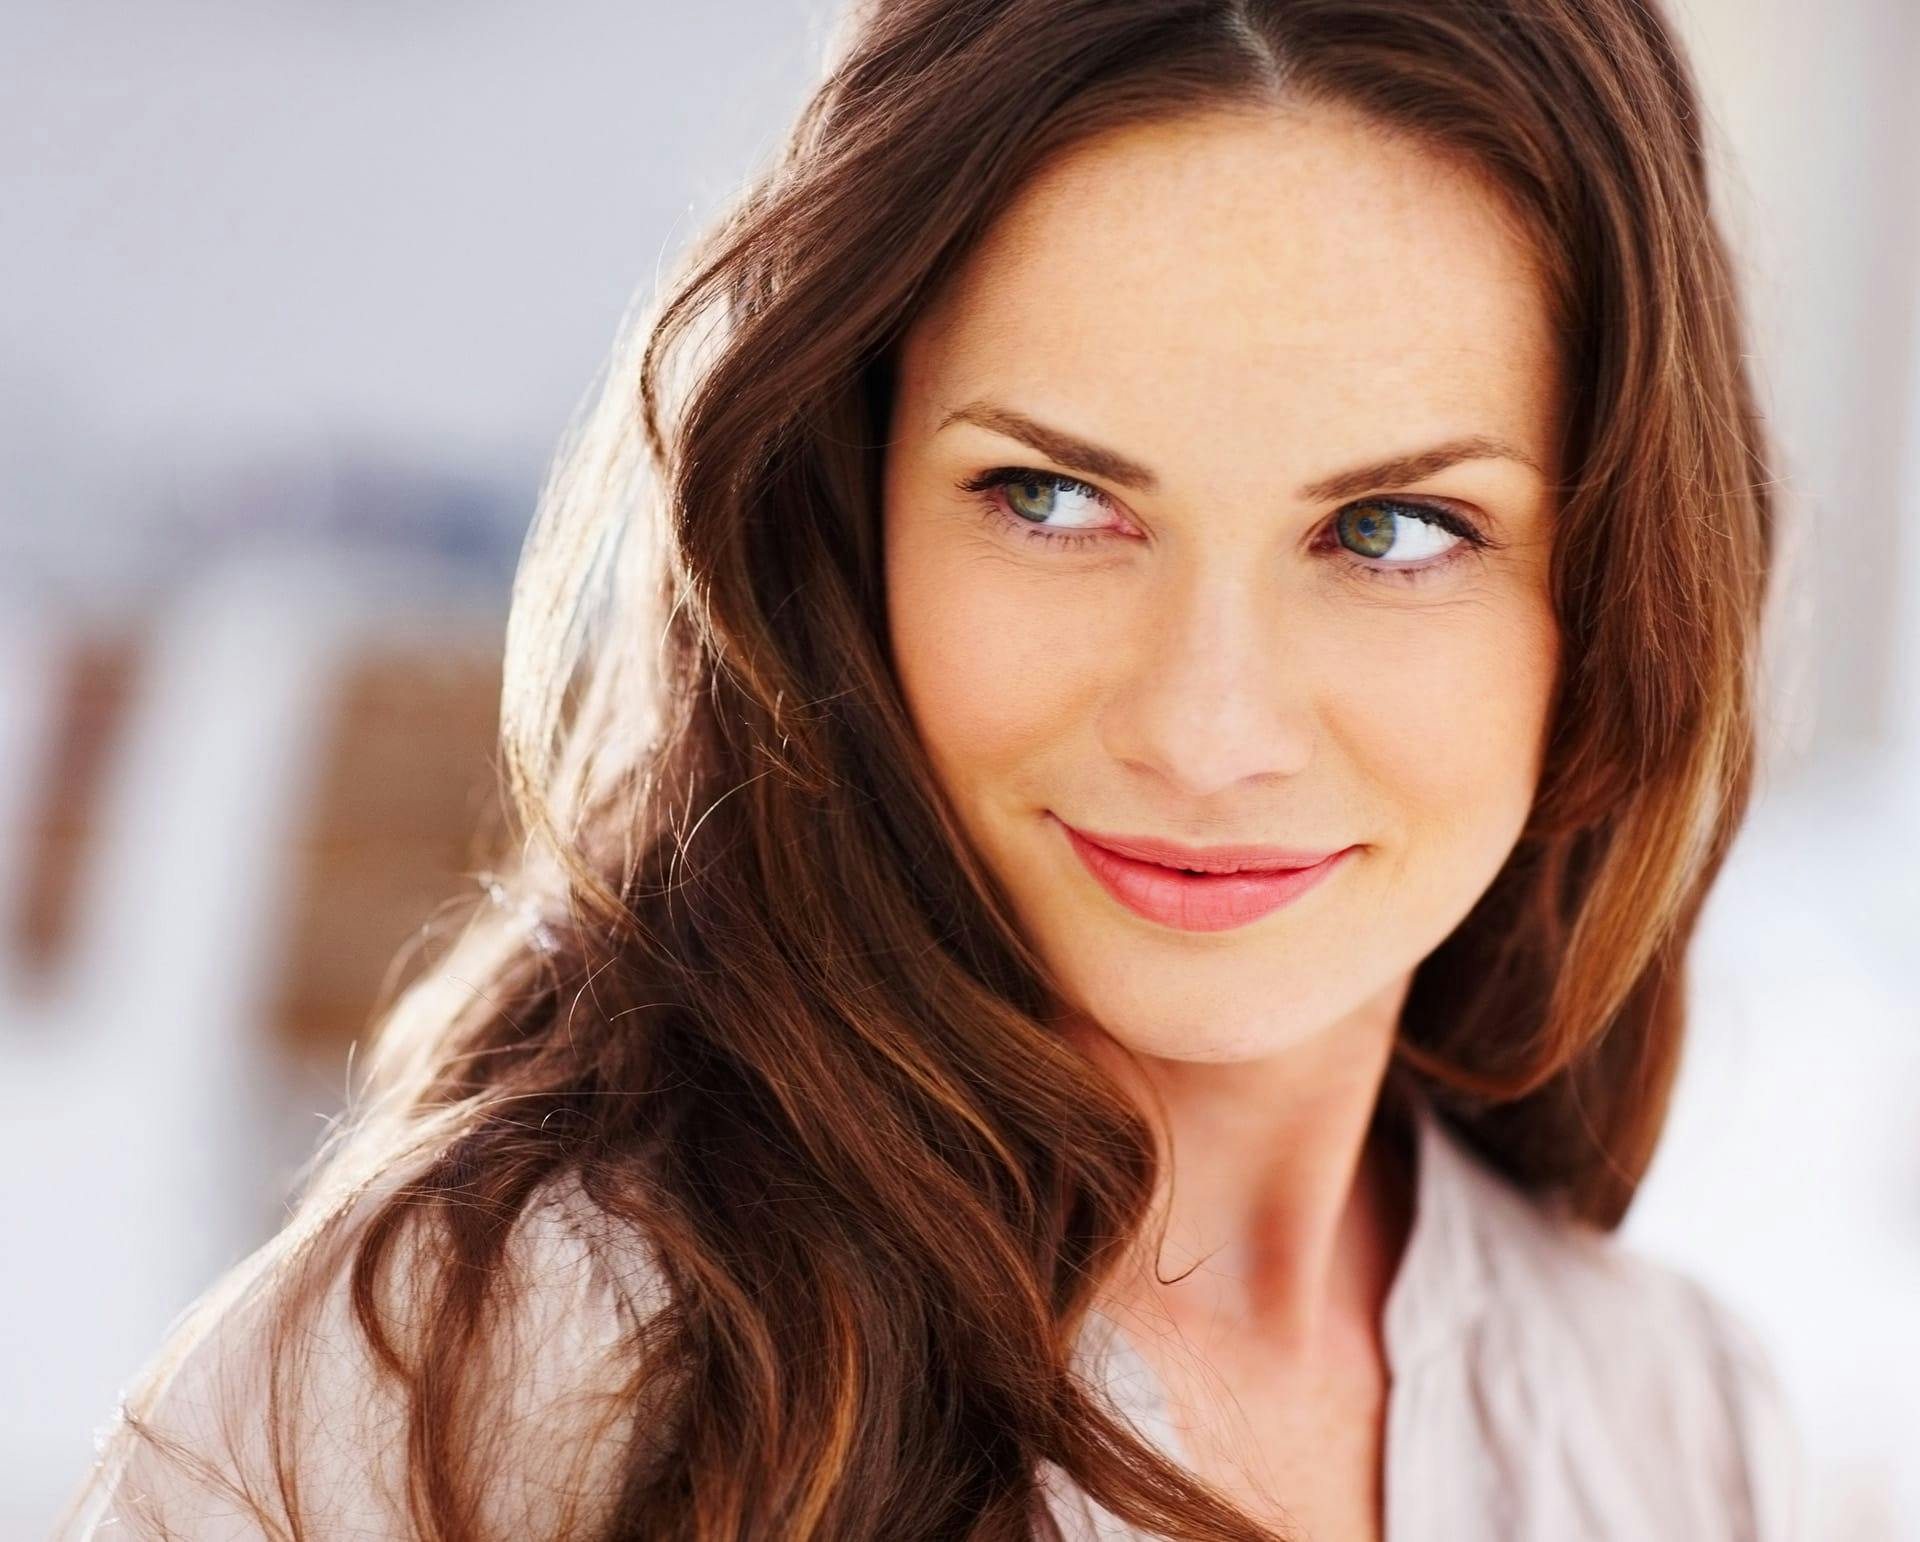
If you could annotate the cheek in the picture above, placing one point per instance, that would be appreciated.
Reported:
(1455, 735)
(978, 647)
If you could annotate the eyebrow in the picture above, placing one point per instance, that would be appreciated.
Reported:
(1111, 466)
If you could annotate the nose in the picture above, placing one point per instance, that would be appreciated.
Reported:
(1218, 684)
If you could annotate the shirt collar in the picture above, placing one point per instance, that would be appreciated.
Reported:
(1442, 1279)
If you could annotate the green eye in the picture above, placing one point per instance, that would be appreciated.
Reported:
(1419, 535)
(1367, 528)
(1040, 494)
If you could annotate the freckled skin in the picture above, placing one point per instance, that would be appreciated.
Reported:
(1244, 304)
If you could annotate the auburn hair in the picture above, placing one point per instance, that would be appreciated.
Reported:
(738, 976)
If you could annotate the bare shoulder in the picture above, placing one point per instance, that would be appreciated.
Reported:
(249, 1416)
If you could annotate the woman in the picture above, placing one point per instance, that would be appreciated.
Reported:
(1117, 772)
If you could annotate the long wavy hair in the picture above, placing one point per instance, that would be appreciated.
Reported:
(737, 974)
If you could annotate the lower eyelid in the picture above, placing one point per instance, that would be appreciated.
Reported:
(1026, 529)
(992, 501)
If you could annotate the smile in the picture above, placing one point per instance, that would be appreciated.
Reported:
(1196, 902)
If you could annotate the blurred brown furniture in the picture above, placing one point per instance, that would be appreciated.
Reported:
(405, 794)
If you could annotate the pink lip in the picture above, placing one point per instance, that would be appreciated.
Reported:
(1205, 901)
(1207, 859)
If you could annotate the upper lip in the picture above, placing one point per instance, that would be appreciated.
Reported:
(1208, 859)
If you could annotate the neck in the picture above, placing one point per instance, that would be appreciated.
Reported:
(1284, 1198)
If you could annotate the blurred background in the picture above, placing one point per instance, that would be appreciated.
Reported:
(297, 300)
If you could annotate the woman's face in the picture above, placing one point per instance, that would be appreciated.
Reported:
(1218, 627)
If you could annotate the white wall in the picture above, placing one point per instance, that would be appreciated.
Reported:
(1816, 132)
(236, 225)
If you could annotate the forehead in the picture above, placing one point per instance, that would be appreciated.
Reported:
(1254, 275)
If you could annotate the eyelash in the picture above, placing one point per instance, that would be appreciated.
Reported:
(1431, 513)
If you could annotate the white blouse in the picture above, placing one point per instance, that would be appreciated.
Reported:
(1546, 1383)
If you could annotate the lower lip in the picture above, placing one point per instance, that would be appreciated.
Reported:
(1196, 902)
